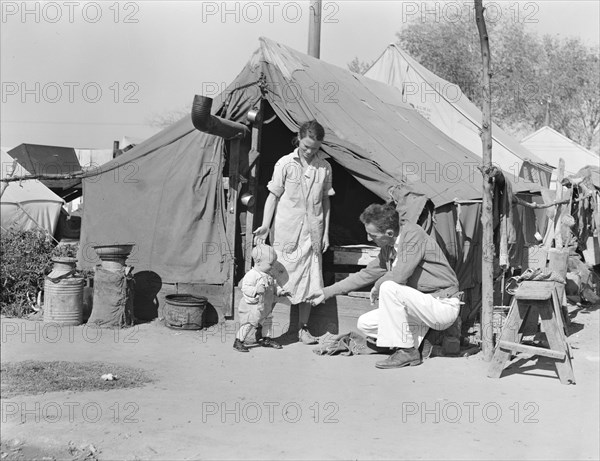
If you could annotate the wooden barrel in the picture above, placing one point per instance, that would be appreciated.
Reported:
(184, 312)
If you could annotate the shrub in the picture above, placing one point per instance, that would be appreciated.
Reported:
(25, 259)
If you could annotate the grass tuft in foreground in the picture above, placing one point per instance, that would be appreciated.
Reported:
(36, 377)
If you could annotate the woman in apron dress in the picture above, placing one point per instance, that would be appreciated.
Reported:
(298, 204)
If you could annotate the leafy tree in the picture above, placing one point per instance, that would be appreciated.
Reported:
(449, 47)
(518, 61)
(571, 83)
(535, 81)
(169, 118)
(359, 67)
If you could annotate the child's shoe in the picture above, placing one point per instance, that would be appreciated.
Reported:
(268, 342)
(239, 346)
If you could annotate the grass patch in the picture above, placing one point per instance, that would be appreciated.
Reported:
(36, 377)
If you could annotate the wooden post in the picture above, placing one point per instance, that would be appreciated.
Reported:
(558, 243)
(235, 147)
(253, 163)
(487, 265)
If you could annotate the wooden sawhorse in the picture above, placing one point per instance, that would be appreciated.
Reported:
(544, 298)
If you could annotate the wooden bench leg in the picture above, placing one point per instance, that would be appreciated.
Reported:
(510, 333)
(557, 342)
(530, 319)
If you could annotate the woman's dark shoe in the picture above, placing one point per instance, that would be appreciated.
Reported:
(239, 346)
(268, 342)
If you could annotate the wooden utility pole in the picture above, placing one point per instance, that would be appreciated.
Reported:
(314, 29)
(487, 264)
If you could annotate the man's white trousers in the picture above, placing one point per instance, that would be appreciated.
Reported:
(405, 315)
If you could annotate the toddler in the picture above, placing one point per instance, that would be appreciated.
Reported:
(259, 290)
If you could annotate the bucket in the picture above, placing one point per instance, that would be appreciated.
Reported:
(63, 293)
(184, 312)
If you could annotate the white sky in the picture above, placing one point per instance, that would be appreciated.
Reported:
(151, 57)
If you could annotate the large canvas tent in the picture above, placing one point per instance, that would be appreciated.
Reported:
(28, 204)
(168, 195)
(445, 106)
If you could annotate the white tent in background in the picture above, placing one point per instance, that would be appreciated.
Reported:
(93, 158)
(89, 159)
(27, 204)
(446, 107)
(551, 145)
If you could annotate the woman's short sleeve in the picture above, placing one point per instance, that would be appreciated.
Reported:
(328, 183)
(277, 183)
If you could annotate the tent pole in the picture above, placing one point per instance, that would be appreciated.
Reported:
(254, 163)
(235, 147)
(487, 264)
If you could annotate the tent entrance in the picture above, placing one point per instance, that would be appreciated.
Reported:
(347, 204)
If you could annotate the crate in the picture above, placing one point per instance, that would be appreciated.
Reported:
(354, 255)
(498, 318)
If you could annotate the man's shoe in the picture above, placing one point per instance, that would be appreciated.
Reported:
(306, 338)
(401, 358)
(239, 346)
(268, 342)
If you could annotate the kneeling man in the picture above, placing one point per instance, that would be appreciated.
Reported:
(416, 287)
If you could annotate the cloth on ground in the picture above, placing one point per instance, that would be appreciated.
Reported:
(343, 344)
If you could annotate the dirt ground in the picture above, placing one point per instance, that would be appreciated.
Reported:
(211, 402)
